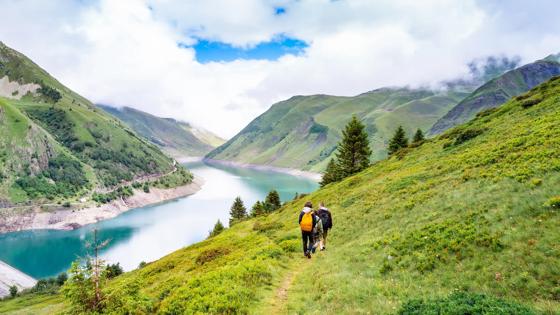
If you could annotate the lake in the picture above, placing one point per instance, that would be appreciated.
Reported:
(151, 232)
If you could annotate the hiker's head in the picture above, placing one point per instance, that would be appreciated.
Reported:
(308, 204)
(322, 204)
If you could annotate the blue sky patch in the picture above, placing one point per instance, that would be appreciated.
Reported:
(279, 11)
(208, 51)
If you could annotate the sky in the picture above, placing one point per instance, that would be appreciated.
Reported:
(220, 63)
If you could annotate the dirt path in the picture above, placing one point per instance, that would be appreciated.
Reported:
(277, 304)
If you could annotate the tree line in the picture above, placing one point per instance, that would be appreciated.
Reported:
(353, 152)
(238, 211)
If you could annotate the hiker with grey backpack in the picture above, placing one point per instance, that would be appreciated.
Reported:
(326, 219)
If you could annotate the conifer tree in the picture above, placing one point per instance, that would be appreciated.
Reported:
(258, 209)
(418, 136)
(237, 212)
(331, 173)
(218, 228)
(353, 151)
(398, 141)
(272, 201)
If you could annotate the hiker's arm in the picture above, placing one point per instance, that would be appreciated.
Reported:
(300, 216)
(330, 219)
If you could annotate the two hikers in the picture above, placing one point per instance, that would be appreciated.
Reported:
(314, 227)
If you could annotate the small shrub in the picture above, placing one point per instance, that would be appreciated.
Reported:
(263, 227)
(290, 246)
(67, 204)
(113, 270)
(531, 102)
(523, 96)
(467, 135)
(211, 254)
(553, 202)
(460, 303)
(486, 112)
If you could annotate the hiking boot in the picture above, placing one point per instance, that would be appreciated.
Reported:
(308, 255)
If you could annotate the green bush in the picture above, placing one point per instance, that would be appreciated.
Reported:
(553, 202)
(211, 254)
(467, 135)
(290, 246)
(464, 303)
(530, 102)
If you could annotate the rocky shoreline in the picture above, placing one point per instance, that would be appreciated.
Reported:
(69, 219)
(291, 171)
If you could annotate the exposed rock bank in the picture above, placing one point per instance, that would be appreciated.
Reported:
(69, 219)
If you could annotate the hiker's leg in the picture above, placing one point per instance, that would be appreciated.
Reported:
(310, 238)
(325, 233)
(304, 240)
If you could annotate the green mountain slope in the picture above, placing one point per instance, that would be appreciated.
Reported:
(498, 91)
(56, 145)
(179, 139)
(303, 132)
(474, 210)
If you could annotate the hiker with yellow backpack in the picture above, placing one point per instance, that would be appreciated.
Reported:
(307, 221)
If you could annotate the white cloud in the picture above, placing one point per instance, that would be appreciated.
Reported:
(125, 52)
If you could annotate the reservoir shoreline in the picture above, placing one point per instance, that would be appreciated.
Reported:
(259, 167)
(69, 219)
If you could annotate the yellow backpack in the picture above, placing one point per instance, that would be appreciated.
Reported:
(306, 223)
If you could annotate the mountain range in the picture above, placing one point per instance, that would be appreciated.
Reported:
(498, 90)
(177, 138)
(303, 131)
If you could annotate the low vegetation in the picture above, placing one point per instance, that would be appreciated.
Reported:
(469, 227)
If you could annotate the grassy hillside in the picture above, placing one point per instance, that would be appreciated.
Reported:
(497, 91)
(57, 146)
(177, 138)
(303, 132)
(469, 217)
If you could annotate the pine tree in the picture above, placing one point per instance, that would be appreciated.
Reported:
(258, 209)
(331, 173)
(418, 136)
(398, 141)
(272, 201)
(353, 151)
(237, 212)
(13, 291)
(218, 228)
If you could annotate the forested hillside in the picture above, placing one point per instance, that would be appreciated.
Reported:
(56, 145)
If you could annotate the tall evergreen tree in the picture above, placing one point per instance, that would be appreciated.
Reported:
(218, 228)
(398, 141)
(331, 173)
(237, 212)
(258, 209)
(353, 151)
(418, 136)
(272, 201)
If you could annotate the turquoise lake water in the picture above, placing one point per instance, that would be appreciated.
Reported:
(148, 233)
